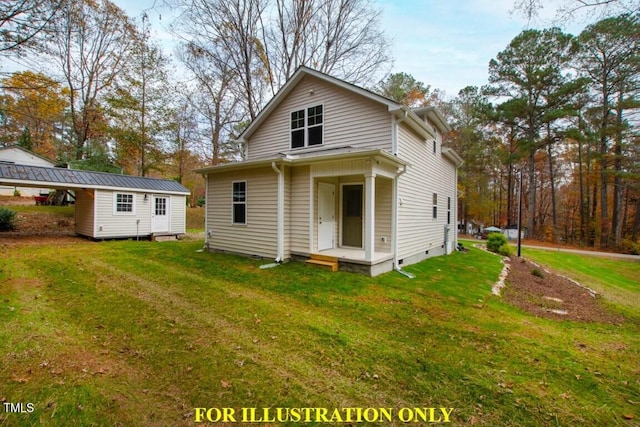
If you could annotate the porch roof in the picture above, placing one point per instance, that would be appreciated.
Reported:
(309, 156)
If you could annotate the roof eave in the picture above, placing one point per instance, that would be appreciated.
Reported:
(414, 122)
(301, 161)
(63, 186)
(436, 116)
(453, 156)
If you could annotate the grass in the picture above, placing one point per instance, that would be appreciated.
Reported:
(141, 333)
(617, 280)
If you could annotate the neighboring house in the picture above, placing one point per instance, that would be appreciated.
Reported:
(512, 232)
(472, 229)
(18, 155)
(110, 205)
(337, 170)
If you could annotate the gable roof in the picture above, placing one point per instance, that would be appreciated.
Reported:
(399, 110)
(41, 176)
(31, 153)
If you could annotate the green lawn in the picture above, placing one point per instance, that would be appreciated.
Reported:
(142, 333)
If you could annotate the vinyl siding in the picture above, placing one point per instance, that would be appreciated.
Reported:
(287, 213)
(384, 190)
(259, 235)
(178, 212)
(121, 225)
(349, 119)
(84, 212)
(428, 173)
(299, 222)
(17, 155)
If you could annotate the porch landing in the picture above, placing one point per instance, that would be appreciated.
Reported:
(353, 260)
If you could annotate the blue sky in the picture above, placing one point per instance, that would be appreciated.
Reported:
(444, 44)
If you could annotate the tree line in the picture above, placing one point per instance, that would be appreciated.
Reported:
(557, 121)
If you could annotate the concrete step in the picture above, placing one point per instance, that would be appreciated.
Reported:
(164, 237)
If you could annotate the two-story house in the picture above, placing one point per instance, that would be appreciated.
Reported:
(333, 169)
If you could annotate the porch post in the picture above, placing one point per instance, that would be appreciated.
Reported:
(370, 216)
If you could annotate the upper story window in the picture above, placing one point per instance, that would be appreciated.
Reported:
(306, 127)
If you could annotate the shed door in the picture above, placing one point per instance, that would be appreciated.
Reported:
(160, 214)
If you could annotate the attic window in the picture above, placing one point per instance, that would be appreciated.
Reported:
(306, 127)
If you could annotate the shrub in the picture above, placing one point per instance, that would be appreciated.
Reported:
(505, 250)
(7, 219)
(630, 247)
(495, 241)
(537, 272)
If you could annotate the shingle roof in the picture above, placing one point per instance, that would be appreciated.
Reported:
(70, 178)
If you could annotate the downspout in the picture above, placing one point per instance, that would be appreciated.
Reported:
(280, 213)
(205, 244)
(394, 143)
(396, 266)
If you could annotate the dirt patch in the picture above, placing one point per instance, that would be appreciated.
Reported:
(39, 228)
(33, 228)
(549, 295)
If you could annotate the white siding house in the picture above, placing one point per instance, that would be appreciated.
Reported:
(335, 170)
(18, 155)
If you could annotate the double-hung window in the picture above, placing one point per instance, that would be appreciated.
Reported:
(306, 127)
(239, 202)
(124, 204)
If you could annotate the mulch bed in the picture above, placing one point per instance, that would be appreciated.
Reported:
(546, 294)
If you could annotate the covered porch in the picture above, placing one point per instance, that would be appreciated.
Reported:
(353, 214)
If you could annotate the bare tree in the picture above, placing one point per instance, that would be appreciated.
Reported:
(22, 20)
(338, 37)
(90, 45)
(569, 9)
(264, 41)
(215, 99)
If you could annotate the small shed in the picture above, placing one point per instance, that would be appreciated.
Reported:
(109, 206)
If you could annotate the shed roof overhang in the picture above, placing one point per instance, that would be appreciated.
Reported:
(59, 178)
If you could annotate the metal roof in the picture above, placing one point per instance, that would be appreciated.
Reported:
(41, 176)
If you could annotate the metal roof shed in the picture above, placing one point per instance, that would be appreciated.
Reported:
(110, 205)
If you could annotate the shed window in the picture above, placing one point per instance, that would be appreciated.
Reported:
(448, 210)
(124, 203)
(239, 202)
(306, 127)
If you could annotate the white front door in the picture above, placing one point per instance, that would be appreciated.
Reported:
(160, 214)
(326, 215)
